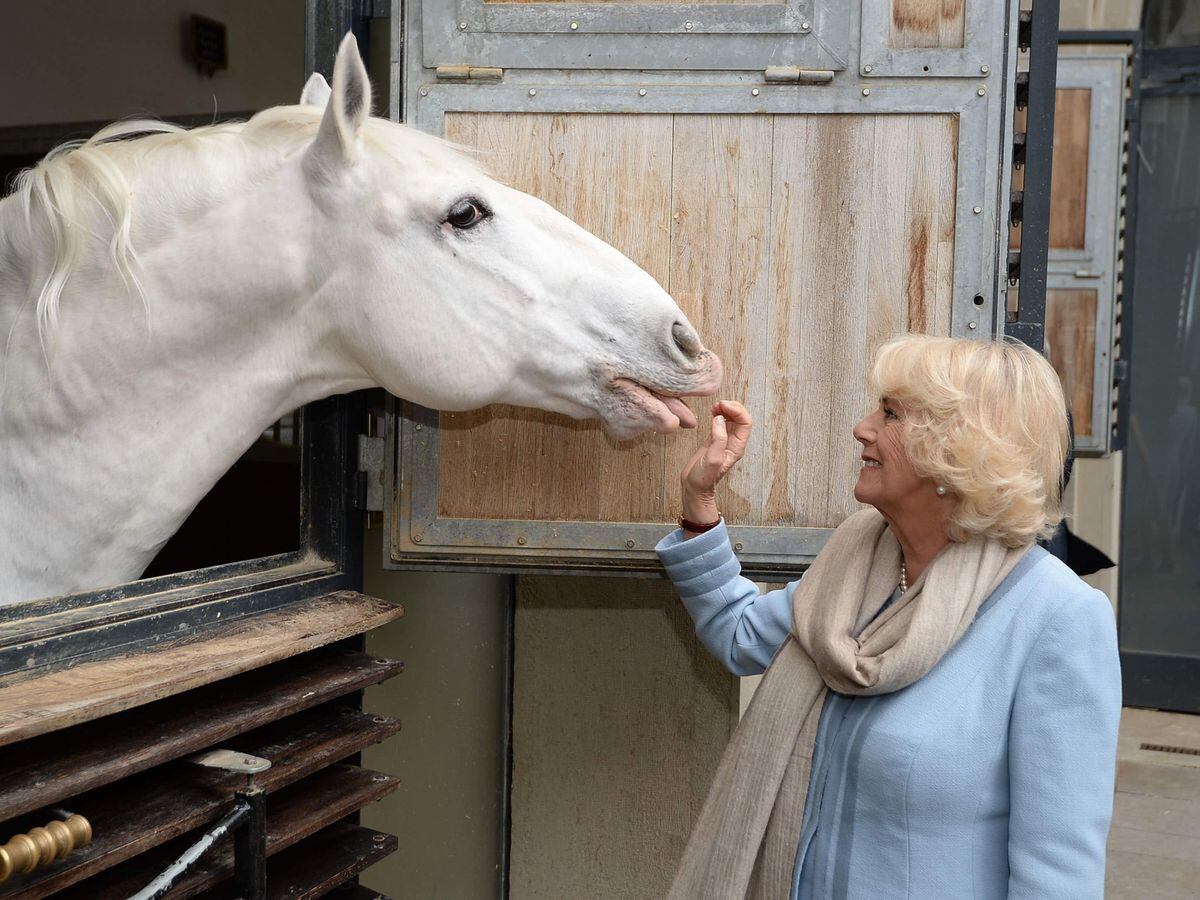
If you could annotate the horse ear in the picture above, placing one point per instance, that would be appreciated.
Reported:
(316, 91)
(340, 134)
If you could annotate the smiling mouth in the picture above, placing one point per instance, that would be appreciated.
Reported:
(869, 463)
(660, 411)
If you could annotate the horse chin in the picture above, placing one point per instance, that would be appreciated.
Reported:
(629, 409)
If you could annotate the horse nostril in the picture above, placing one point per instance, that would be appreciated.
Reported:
(686, 339)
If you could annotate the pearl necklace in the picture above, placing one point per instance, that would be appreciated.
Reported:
(903, 578)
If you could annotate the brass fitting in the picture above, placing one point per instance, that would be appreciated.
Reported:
(39, 846)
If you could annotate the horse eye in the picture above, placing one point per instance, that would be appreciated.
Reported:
(467, 213)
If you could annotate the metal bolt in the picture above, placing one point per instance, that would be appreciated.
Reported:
(981, 91)
(641, 92)
(972, 325)
(687, 26)
(977, 209)
(868, 69)
(754, 93)
(417, 538)
(866, 92)
(521, 540)
(418, 427)
(379, 779)
(631, 543)
(738, 546)
(574, 26)
(462, 26)
(380, 661)
(804, 26)
(378, 720)
(984, 69)
(533, 92)
(424, 92)
(379, 838)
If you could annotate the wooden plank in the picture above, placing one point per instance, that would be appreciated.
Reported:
(796, 243)
(317, 866)
(1071, 349)
(928, 23)
(36, 704)
(150, 809)
(1069, 180)
(611, 174)
(297, 813)
(47, 769)
(719, 275)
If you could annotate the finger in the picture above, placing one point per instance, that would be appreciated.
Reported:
(735, 412)
(715, 455)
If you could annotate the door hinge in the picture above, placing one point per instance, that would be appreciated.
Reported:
(470, 73)
(372, 451)
(796, 75)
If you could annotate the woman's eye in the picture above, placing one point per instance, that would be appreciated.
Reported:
(889, 413)
(467, 214)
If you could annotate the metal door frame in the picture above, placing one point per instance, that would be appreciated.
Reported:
(980, 102)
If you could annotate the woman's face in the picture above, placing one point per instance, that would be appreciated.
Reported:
(887, 479)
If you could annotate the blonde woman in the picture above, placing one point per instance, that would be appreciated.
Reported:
(940, 708)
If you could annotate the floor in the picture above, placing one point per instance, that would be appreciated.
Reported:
(1154, 845)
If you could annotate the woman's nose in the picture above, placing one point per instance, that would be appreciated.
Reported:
(862, 432)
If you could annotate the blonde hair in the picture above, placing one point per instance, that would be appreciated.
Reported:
(987, 419)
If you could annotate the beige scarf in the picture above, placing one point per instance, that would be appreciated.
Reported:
(744, 843)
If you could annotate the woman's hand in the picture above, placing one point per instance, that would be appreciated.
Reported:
(727, 441)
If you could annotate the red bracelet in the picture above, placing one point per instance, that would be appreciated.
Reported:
(695, 527)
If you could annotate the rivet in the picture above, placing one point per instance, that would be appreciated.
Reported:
(641, 92)
(687, 26)
(379, 838)
(424, 92)
(977, 209)
(533, 92)
(804, 26)
(521, 540)
(462, 26)
(631, 543)
(981, 91)
(866, 92)
(754, 93)
(380, 661)
(418, 427)
(574, 26)
(417, 538)
(378, 720)
(378, 779)
(984, 69)
(868, 68)
(972, 326)
(738, 546)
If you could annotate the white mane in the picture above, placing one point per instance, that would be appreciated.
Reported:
(61, 196)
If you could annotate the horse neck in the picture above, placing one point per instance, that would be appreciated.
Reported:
(134, 419)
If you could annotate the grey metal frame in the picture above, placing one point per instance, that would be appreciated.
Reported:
(983, 30)
(1095, 267)
(806, 33)
(419, 536)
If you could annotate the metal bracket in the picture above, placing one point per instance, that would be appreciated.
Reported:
(796, 75)
(371, 453)
(470, 73)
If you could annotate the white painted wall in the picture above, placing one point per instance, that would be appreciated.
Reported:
(89, 60)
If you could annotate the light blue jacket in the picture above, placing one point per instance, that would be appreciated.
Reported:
(990, 777)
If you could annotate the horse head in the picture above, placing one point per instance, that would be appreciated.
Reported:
(455, 291)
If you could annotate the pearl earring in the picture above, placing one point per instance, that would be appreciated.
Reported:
(941, 490)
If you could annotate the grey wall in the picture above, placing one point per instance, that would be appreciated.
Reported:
(89, 60)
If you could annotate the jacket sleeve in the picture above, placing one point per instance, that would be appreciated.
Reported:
(1062, 755)
(740, 627)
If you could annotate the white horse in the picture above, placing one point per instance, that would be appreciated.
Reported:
(166, 296)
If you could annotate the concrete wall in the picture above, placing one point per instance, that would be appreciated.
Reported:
(89, 60)
(450, 754)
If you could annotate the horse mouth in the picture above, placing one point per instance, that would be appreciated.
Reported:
(635, 408)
